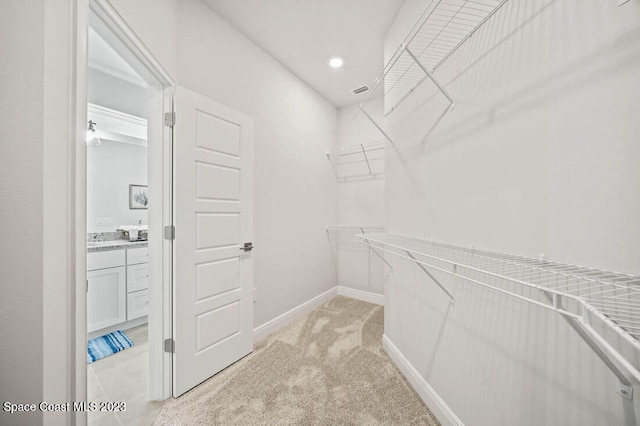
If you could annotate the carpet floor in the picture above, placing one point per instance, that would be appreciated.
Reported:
(327, 368)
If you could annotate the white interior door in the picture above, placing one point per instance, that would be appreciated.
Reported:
(213, 275)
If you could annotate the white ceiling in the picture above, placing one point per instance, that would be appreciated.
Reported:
(304, 34)
(103, 58)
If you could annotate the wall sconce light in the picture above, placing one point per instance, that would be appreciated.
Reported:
(92, 138)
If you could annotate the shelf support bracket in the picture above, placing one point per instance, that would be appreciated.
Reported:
(625, 388)
(431, 77)
(421, 266)
(374, 250)
(594, 335)
(335, 171)
(380, 256)
(387, 137)
(366, 159)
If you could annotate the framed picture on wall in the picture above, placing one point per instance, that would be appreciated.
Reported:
(138, 196)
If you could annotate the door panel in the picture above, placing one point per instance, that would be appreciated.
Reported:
(227, 133)
(218, 324)
(217, 277)
(213, 281)
(217, 230)
(229, 179)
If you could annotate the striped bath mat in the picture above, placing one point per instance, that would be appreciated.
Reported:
(106, 345)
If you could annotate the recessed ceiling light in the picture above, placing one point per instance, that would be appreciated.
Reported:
(336, 62)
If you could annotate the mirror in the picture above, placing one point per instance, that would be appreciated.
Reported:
(116, 171)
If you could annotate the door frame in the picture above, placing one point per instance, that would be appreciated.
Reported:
(106, 21)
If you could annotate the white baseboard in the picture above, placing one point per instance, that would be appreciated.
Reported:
(269, 327)
(365, 296)
(428, 395)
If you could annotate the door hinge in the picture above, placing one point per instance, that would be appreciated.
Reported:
(170, 119)
(170, 346)
(170, 232)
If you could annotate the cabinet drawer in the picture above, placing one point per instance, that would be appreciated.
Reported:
(105, 259)
(137, 304)
(137, 255)
(137, 277)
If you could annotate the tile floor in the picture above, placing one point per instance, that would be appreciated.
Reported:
(123, 377)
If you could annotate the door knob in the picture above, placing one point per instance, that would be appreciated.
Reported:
(247, 247)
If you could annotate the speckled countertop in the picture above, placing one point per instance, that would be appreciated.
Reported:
(103, 241)
(93, 246)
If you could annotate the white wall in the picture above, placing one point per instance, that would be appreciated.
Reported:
(111, 168)
(114, 93)
(41, 110)
(154, 22)
(38, 187)
(539, 156)
(21, 192)
(360, 201)
(295, 195)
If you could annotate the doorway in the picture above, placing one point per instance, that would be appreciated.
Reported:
(205, 304)
(129, 205)
(117, 235)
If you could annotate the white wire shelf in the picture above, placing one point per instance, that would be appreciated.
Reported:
(344, 235)
(355, 229)
(578, 293)
(441, 29)
(361, 160)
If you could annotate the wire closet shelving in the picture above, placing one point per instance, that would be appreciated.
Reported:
(581, 295)
(363, 229)
(442, 28)
(600, 306)
(343, 237)
(361, 160)
(345, 234)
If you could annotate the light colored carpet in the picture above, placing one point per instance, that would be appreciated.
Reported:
(327, 368)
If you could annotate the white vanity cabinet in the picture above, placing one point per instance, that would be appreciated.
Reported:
(117, 293)
(137, 283)
(137, 255)
(106, 292)
(137, 304)
(137, 277)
